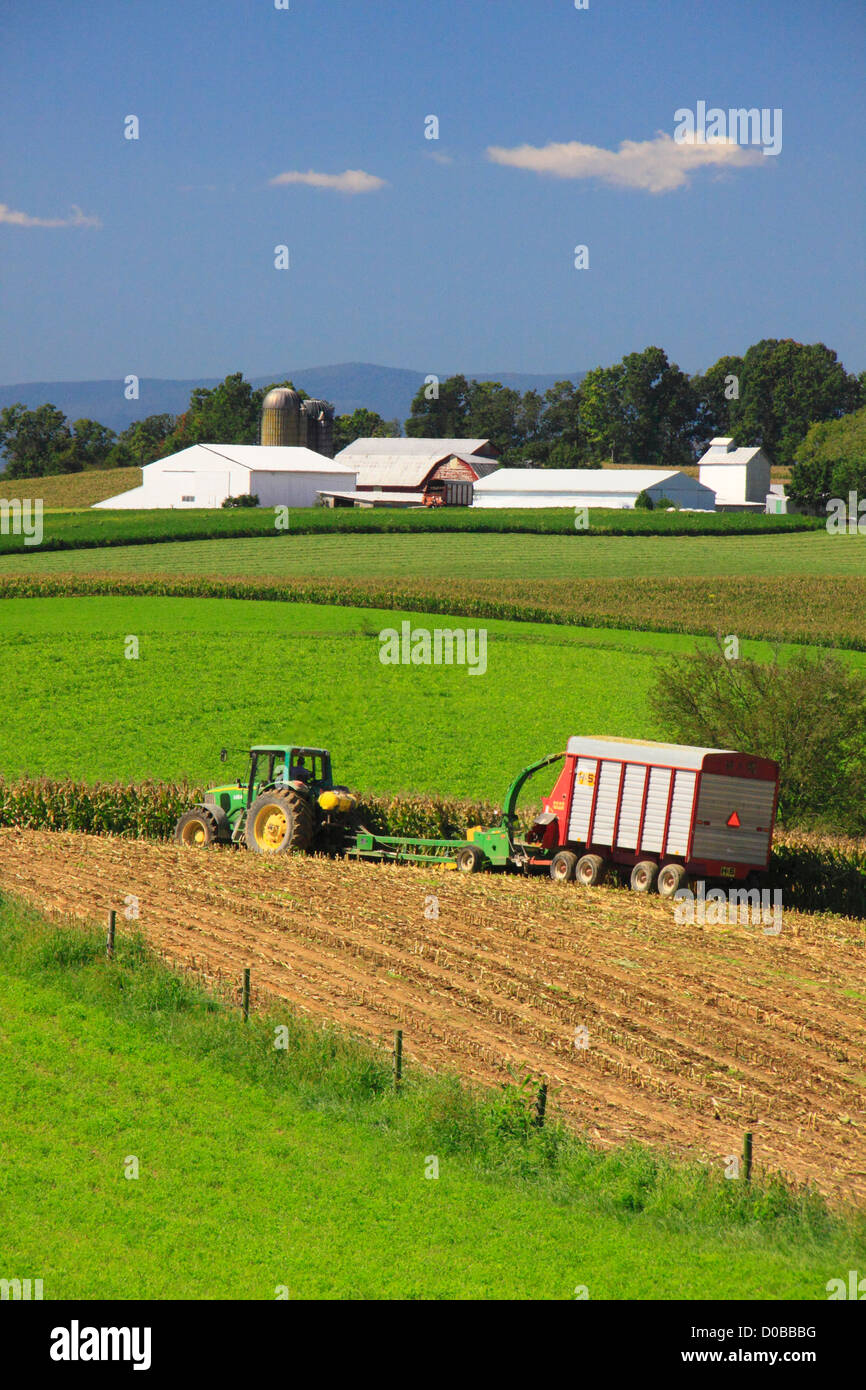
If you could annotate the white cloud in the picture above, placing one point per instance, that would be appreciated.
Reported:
(350, 181)
(656, 166)
(23, 219)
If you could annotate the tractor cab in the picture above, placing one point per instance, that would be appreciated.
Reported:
(285, 801)
(288, 765)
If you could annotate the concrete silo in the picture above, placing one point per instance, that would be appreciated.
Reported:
(320, 426)
(281, 418)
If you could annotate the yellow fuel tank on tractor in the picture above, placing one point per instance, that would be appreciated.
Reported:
(337, 801)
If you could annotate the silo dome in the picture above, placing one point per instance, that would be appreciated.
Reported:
(281, 415)
(282, 398)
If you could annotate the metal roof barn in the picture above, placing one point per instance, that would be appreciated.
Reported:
(419, 472)
(204, 475)
(590, 487)
(413, 445)
(737, 476)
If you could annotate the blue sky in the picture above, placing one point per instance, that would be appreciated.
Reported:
(453, 262)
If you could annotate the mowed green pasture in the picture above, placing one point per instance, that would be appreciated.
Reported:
(448, 556)
(214, 672)
(260, 1172)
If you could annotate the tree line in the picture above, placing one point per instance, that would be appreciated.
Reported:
(643, 410)
(646, 410)
(42, 442)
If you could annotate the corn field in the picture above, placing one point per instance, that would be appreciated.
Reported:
(814, 873)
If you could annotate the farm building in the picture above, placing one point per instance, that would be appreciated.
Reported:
(590, 487)
(291, 422)
(414, 472)
(206, 474)
(740, 478)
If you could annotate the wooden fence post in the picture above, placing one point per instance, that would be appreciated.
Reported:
(540, 1106)
(747, 1155)
(109, 945)
(247, 995)
(398, 1058)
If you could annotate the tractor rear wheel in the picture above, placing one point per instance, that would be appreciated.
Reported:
(196, 828)
(643, 875)
(562, 866)
(279, 822)
(590, 870)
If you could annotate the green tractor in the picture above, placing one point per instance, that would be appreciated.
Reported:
(287, 801)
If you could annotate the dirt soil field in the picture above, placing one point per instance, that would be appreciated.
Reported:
(695, 1033)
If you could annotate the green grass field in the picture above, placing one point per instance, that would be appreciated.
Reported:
(261, 1170)
(214, 672)
(469, 556)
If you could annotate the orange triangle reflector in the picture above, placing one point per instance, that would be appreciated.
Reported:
(734, 820)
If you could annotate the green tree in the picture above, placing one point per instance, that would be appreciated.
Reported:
(440, 411)
(831, 461)
(602, 415)
(717, 397)
(35, 442)
(89, 447)
(461, 409)
(362, 424)
(807, 712)
(550, 426)
(640, 411)
(143, 441)
(494, 412)
(226, 414)
(786, 387)
(659, 405)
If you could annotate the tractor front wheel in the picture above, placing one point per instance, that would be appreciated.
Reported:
(279, 822)
(195, 828)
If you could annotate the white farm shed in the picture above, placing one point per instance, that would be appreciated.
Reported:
(737, 476)
(206, 474)
(589, 487)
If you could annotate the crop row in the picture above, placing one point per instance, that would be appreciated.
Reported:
(77, 530)
(772, 608)
(813, 876)
(149, 810)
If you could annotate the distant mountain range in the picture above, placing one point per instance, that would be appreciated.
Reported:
(388, 390)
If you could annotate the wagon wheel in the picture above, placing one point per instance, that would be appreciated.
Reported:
(670, 879)
(590, 870)
(469, 860)
(643, 875)
(562, 866)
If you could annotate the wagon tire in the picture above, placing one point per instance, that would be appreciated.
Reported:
(562, 866)
(643, 876)
(590, 870)
(671, 878)
(195, 829)
(279, 823)
(469, 860)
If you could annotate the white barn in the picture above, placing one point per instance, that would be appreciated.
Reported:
(589, 487)
(740, 478)
(204, 475)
